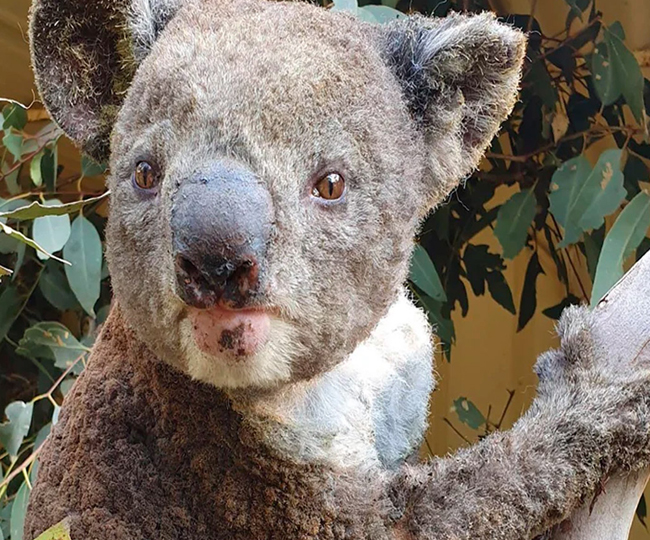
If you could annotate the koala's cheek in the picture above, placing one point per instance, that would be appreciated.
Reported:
(218, 332)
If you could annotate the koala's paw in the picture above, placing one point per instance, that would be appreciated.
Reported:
(603, 391)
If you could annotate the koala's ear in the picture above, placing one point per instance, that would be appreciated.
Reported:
(460, 76)
(84, 55)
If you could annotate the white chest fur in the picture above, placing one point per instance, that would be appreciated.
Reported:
(370, 411)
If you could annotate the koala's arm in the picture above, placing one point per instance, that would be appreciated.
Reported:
(587, 421)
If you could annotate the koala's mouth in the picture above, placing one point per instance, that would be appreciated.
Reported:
(219, 331)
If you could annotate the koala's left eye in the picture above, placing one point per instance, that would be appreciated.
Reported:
(330, 187)
(145, 176)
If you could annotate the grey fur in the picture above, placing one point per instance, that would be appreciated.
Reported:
(289, 92)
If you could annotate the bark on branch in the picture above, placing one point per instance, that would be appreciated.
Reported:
(622, 332)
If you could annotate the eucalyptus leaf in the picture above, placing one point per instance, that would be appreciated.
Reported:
(581, 197)
(380, 14)
(642, 511)
(51, 232)
(49, 167)
(42, 434)
(84, 251)
(542, 84)
(18, 512)
(13, 142)
(425, 275)
(345, 5)
(14, 116)
(16, 293)
(52, 340)
(89, 167)
(478, 263)
(624, 237)
(605, 83)
(51, 208)
(500, 291)
(35, 169)
(468, 413)
(28, 241)
(627, 73)
(609, 193)
(554, 312)
(528, 302)
(60, 531)
(513, 221)
(55, 288)
(14, 431)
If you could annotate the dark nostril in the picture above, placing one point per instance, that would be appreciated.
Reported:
(245, 277)
(194, 286)
(188, 272)
(232, 283)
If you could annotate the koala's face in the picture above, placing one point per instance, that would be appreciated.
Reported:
(269, 166)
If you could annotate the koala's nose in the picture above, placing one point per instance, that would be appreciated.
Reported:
(221, 222)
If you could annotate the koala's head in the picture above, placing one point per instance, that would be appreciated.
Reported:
(269, 163)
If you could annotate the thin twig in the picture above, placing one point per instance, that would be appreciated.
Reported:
(505, 409)
(446, 420)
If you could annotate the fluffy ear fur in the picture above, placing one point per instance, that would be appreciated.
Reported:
(85, 54)
(460, 76)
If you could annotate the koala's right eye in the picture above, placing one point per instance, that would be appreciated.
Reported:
(145, 176)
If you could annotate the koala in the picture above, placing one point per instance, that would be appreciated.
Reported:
(263, 372)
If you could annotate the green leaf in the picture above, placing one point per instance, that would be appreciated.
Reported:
(617, 29)
(468, 413)
(513, 221)
(18, 512)
(605, 83)
(49, 167)
(35, 169)
(581, 197)
(28, 241)
(15, 116)
(60, 531)
(42, 434)
(642, 511)
(500, 291)
(577, 6)
(14, 431)
(7, 244)
(379, 14)
(554, 312)
(52, 208)
(627, 73)
(13, 142)
(609, 193)
(84, 251)
(89, 167)
(443, 326)
(624, 237)
(55, 288)
(478, 262)
(425, 276)
(541, 84)
(11, 179)
(51, 232)
(345, 5)
(16, 294)
(53, 341)
(528, 302)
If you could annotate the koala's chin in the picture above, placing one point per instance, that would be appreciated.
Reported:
(247, 352)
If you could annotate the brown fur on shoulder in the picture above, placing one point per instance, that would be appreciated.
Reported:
(142, 452)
